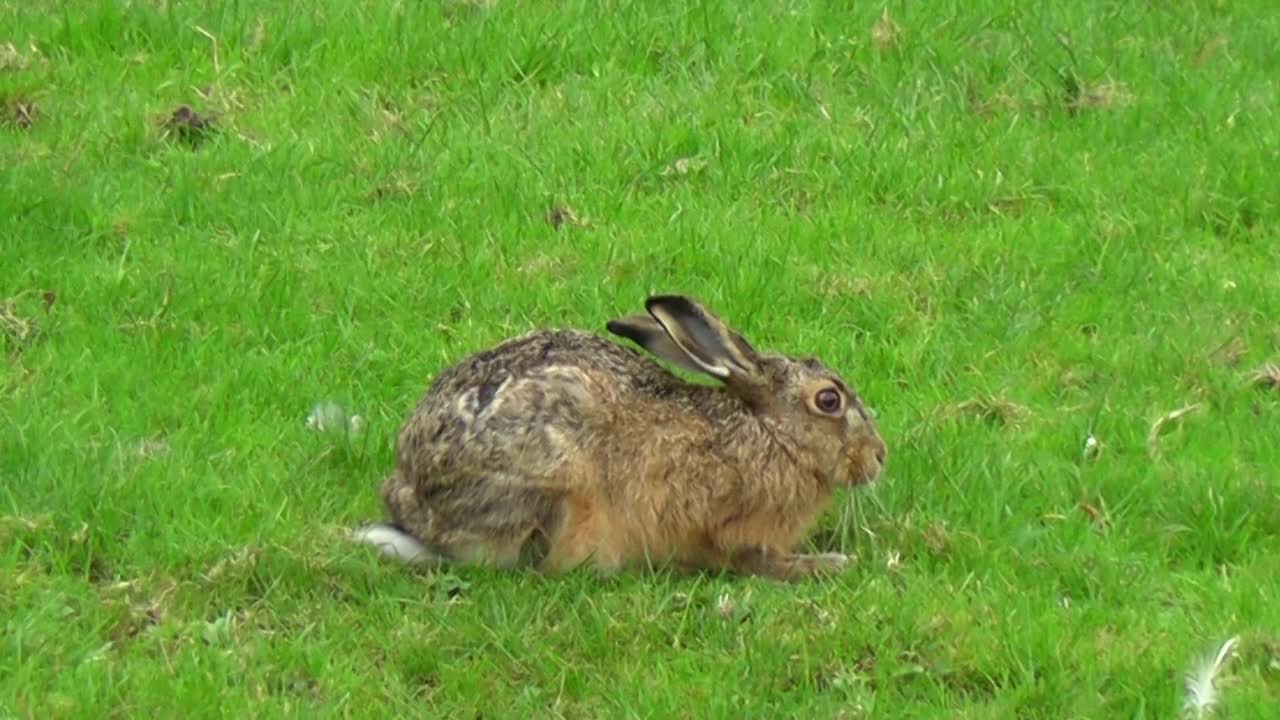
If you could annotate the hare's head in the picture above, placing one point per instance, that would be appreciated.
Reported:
(817, 415)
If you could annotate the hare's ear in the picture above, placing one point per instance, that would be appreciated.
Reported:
(648, 334)
(710, 344)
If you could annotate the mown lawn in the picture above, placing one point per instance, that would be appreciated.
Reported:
(1012, 226)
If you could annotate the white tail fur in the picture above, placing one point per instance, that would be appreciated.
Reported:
(394, 543)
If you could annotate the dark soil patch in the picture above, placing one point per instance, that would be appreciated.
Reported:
(189, 127)
(561, 215)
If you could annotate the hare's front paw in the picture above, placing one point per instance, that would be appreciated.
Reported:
(758, 561)
(827, 563)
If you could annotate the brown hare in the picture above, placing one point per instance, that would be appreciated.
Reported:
(561, 448)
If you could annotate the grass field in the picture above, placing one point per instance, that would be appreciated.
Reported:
(1011, 228)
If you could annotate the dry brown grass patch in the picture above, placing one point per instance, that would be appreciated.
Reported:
(1266, 377)
(886, 34)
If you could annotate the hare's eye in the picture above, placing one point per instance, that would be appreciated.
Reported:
(828, 400)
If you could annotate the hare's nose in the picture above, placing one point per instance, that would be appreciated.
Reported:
(880, 454)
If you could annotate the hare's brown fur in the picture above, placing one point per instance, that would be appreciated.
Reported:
(562, 448)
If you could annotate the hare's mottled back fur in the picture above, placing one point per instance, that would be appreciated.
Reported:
(561, 447)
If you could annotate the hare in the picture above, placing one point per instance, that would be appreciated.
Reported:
(562, 448)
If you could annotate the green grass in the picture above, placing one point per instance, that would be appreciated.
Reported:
(1008, 227)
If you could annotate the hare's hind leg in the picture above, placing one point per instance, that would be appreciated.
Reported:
(580, 533)
(488, 520)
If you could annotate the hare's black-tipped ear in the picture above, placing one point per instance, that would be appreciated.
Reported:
(648, 334)
(710, 344)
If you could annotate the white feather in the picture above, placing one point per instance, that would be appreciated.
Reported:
(394, 543)
(1202, 689)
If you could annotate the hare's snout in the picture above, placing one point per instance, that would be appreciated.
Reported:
(868, 460)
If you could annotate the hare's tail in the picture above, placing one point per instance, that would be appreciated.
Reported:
(396, 543)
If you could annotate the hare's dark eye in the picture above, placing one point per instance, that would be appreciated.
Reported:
(828, 401)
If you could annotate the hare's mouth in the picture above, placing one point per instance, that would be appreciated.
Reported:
(866, 476)
(868, 463)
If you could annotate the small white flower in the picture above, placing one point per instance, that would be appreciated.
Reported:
(893, 561)
(725, 606)
(1091, 447)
